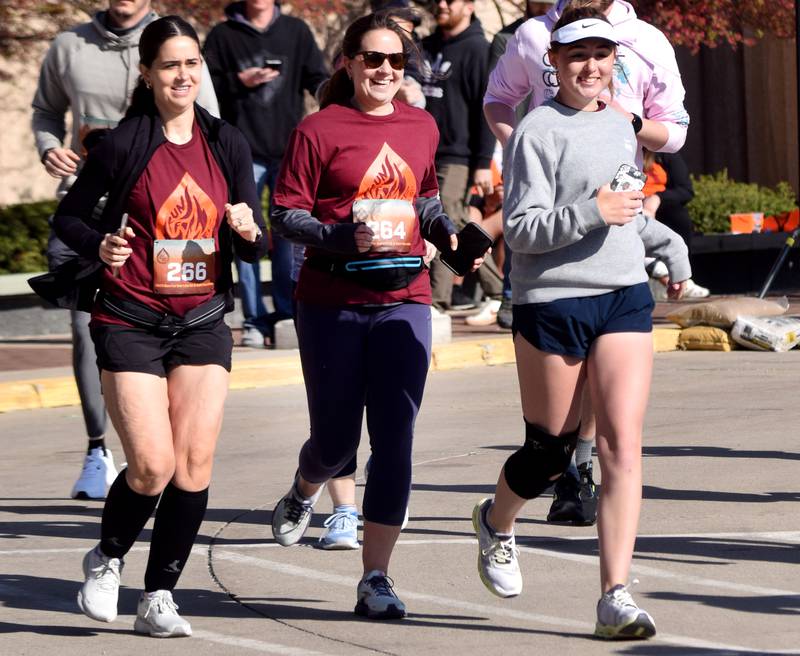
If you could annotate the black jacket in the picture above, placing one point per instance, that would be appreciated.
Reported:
(456, 73)
(268, 113)
(113, 167)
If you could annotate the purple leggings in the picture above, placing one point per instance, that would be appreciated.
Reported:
(357, 358)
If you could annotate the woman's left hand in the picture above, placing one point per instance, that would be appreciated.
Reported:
(240, 219)
(675, 290)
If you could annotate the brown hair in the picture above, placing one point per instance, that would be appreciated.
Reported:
(339, 89)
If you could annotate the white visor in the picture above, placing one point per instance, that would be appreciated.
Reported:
(588, 28)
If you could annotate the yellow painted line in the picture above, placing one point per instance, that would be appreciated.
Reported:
(276, 371)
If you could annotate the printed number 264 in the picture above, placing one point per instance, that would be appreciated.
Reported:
(186, 271)
(387, 229)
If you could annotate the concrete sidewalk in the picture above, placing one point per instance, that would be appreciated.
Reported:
(36, 372)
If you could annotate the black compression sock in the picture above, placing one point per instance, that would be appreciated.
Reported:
(124, 516)
(178, 520)
(97, 442)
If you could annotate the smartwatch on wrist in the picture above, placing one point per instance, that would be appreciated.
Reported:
(636, 122)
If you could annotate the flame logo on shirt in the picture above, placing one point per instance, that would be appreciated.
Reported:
(388, 177)
(188, 213)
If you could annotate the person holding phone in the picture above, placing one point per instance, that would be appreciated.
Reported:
(184, 181)
(263, 63)
(358, 189)
(582, 312)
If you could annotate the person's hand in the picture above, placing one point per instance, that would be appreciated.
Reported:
(476, 263)
(255, 76)
(114, 249)
(240, 219)
(363, 236)
(430, 253)
(618, 207)
(675, 290)
(482, 179)
(651, 204)
(61, 162)
(410, 92)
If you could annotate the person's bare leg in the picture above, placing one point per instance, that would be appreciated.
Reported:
(550, 391)
(343, 491)
(619, 369)
(379, 541)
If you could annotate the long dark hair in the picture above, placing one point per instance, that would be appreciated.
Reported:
(339, 89)
(153, 37)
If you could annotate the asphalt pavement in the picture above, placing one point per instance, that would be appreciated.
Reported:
(717, 557)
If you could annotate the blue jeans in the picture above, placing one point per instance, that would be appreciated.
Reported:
(507, 273)
(253, 308)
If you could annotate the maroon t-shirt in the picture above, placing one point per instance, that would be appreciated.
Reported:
(181, 195)
(341, 155)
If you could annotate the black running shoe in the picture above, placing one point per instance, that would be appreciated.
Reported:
(505, 314)
(589, 495)
(566, 506)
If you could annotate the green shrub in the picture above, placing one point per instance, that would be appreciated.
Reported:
(716, 197)
(23, 236)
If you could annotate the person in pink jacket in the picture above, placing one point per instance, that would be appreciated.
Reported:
(647, 83)
(648, 90)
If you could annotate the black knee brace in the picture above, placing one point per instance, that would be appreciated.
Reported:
(544, 457)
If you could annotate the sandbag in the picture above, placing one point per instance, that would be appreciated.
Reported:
(724, 312)
(705, 338)
(767, 333)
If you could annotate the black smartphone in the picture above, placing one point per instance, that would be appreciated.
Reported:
(473, 242)
(273, 62)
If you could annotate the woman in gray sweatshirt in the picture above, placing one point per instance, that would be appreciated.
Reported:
(582, 311)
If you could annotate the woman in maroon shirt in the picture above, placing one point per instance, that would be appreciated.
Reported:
(182, 182)
(358, 188)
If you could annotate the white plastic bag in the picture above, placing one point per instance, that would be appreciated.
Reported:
(767, 333)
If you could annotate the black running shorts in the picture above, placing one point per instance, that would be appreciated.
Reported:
(120, 348)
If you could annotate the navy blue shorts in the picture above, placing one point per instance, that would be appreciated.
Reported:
(568, 326)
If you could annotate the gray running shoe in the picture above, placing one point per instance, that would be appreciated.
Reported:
(505, 315)
(619, 618)
(100, 592)
(157, 615)
(376, 598)
(497, 559)
(292, 515)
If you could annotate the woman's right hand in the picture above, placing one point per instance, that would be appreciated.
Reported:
(363, 235)
(114, 250)
(618, 207)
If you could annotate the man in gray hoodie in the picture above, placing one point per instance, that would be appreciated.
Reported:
(90, 70)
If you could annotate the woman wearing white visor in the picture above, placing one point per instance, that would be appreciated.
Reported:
(582, 311)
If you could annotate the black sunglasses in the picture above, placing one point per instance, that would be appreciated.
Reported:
(375, 59)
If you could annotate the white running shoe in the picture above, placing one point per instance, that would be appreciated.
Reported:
(97, 475)
(292, 515)
(157, 615)
(497, 559)
(100, 592)
(487, 316)
(377, 599)
(252, 338)
(619, 618)
(693, 290)
(341, 531)
(658, 290)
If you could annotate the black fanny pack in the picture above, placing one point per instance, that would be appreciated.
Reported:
(160, 322)
(385, 274)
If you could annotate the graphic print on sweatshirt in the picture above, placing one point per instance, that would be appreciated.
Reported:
(434, 72)
(385, 202)
(183, 250)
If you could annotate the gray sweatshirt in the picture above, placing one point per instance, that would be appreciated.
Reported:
(554, 163)
(93, 72)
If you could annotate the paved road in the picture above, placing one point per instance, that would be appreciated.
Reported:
(717, 557)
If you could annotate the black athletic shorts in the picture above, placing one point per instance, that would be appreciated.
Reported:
(568, 326)
(120, 348)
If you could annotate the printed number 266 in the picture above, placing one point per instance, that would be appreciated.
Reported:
(186, 271)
